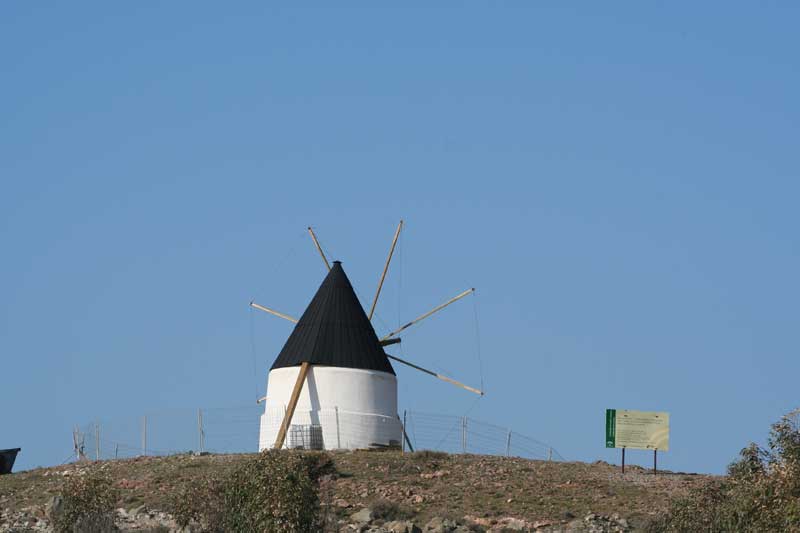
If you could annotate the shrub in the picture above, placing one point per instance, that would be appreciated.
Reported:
(88, 505)
(429, 456)
(201, 503)
(761, 492)
(389, 511)
(276, 491)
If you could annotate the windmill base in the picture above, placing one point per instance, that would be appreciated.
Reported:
(338, 408)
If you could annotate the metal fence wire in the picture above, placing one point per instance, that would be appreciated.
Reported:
(236, 430)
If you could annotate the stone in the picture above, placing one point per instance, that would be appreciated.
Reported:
(401, 526)
(362, 516)
(54, 507)
(136, 511)
(440, 525)
(436, 474)
(514, 524)
(575, 526)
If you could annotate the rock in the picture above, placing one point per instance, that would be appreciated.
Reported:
(401, 526)
(39, 512)
(481, 521)
(136, 511)
(597, 523)
(440, 525)
(513, 524)
(575, 526)
(54, 507)
(567, 515)
(363, 516)
(436, 474)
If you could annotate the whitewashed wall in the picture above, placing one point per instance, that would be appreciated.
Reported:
(355, 408)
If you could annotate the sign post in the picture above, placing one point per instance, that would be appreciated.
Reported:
(643, 430)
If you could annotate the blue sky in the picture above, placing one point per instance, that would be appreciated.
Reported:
(618, 181)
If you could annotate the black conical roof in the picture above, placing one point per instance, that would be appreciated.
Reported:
(334, 330)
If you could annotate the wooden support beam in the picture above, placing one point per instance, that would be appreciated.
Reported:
(319, 248)
(287, 418)
(436, 375)
(272, 312)
(429, 313)
(385, 269)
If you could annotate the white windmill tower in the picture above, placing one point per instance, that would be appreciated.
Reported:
(332, 385)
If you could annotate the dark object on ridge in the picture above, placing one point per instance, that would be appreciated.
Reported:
(334, 331)
(7, 458)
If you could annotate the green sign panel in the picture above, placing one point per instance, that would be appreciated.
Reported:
(611, 428)
(645, 430)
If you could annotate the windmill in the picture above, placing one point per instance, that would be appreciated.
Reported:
(332, 385)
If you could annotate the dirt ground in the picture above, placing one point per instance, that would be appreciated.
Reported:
(423, 484)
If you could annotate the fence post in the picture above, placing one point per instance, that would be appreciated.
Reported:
(201, 438)
(508, 444)
(144, 435)
(403, 436)
(97, 440)
(463, 434)
(338, 431)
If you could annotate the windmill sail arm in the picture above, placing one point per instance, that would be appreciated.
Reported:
(319, 248)
(389, 342)
(385, 269)
(272, 312)
(429, 313)
(436, 375)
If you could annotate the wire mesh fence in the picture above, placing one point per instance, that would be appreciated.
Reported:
(236, 430)
(457, 434)
(168, 432)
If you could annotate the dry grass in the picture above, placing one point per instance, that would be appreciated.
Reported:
(423, 485)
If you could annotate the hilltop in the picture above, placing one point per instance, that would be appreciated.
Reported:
(480, 492)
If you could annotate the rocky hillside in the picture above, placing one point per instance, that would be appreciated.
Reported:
(385, 491)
